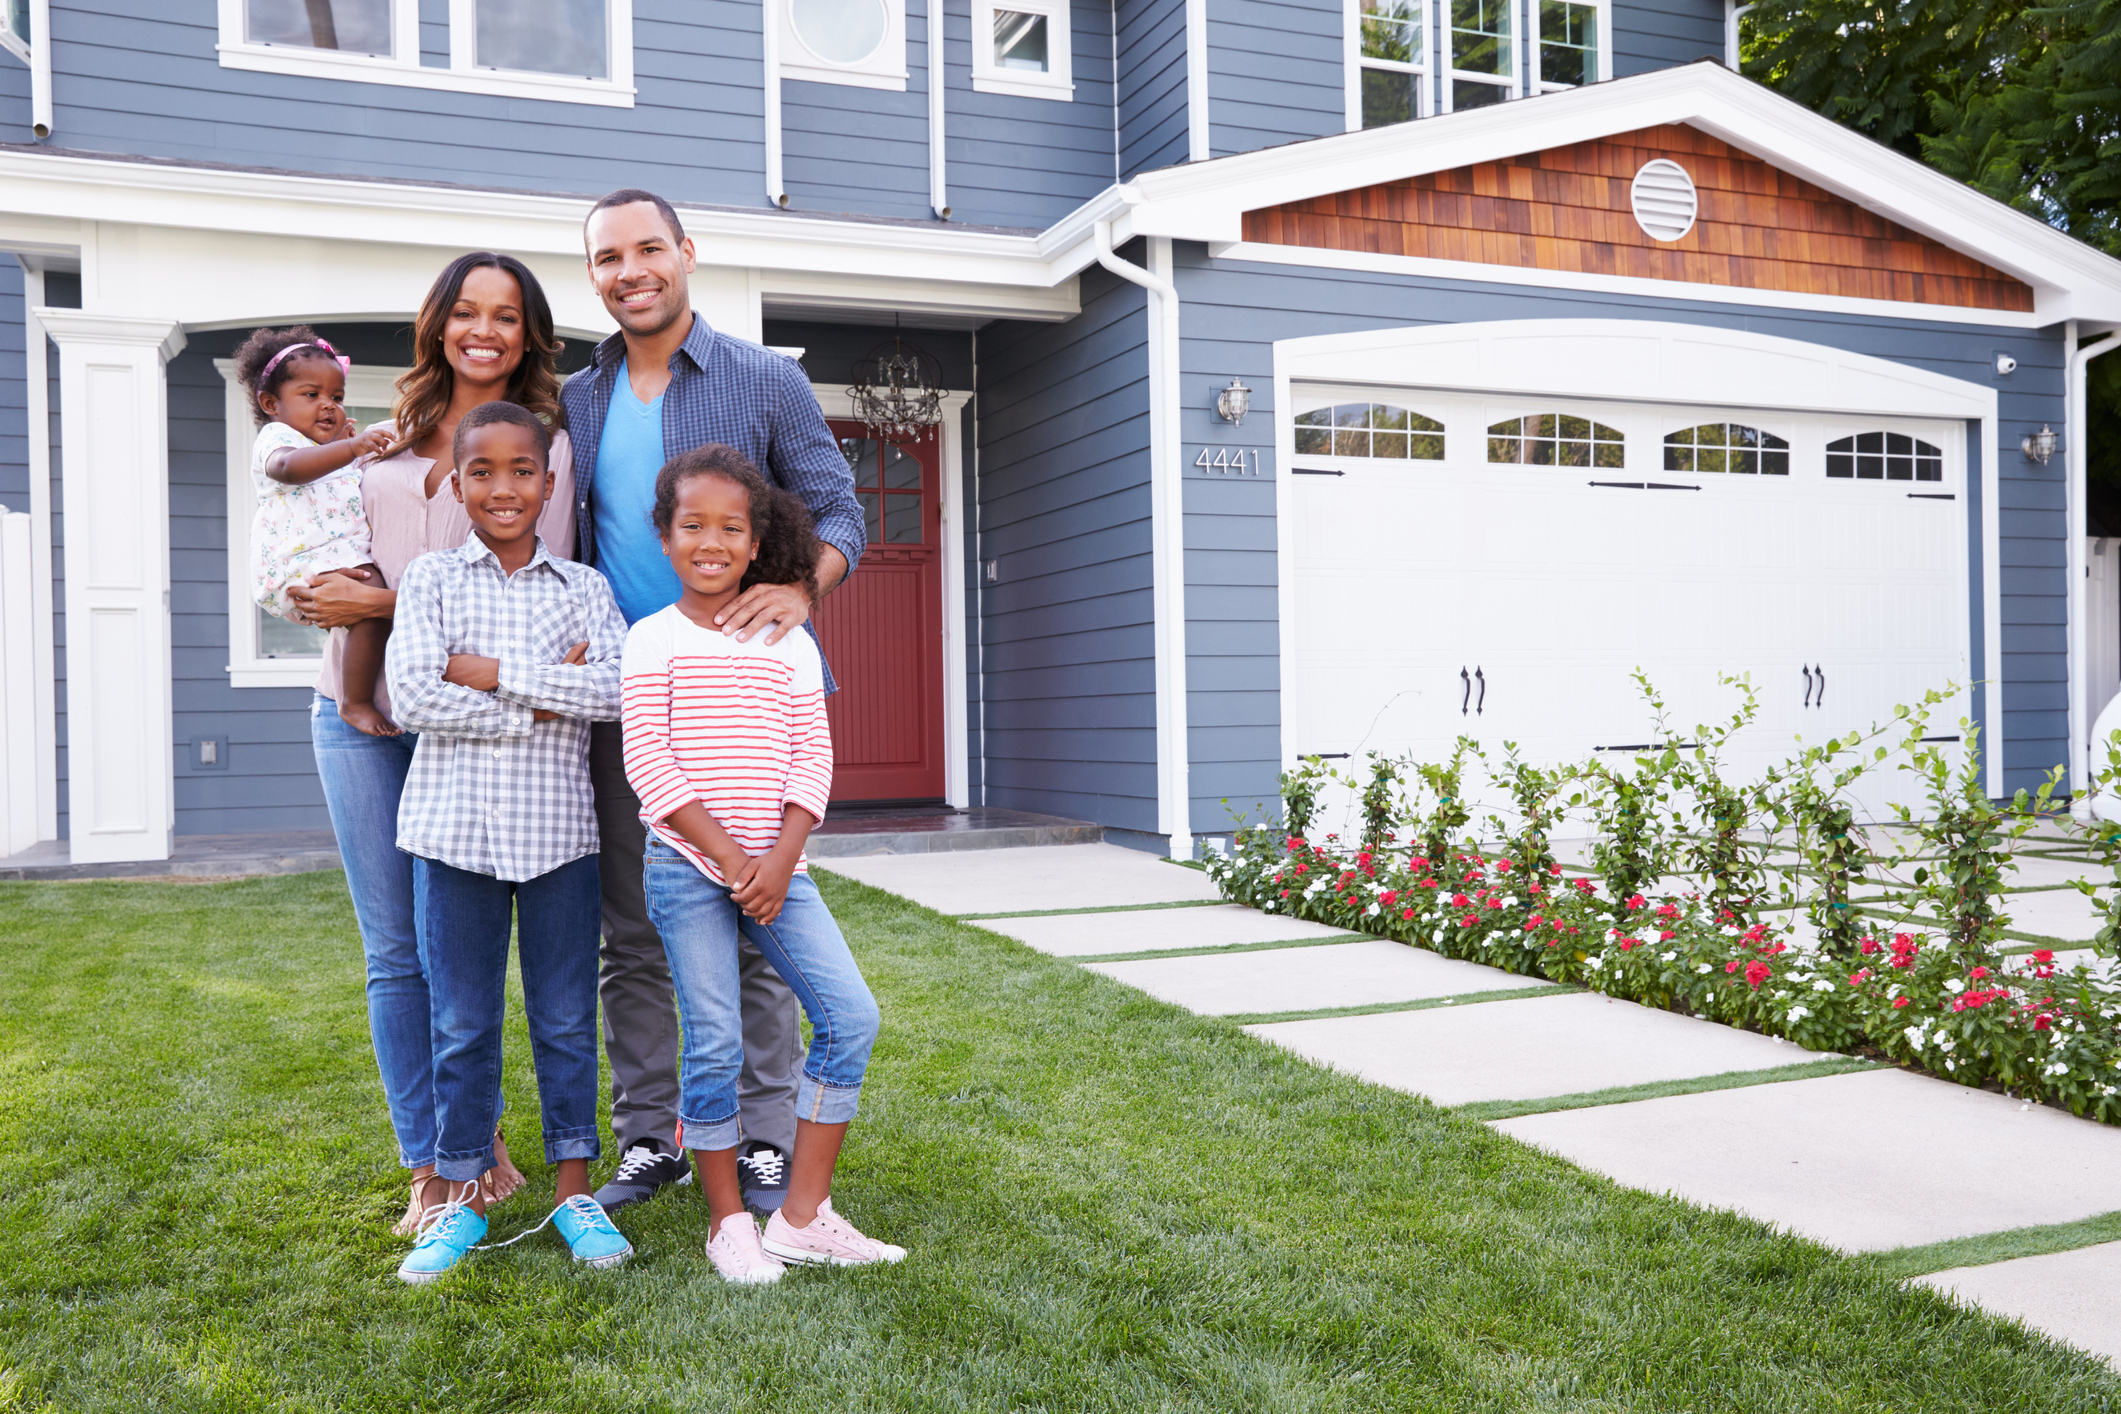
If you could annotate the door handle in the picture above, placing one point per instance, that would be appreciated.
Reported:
(1807, 684)
(1821, 670)
(1482, 704)
(1467, 695)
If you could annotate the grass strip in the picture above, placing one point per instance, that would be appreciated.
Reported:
(1213, 949)
(1904, 1262)
(1487, 1110)
(1508, 994)
(975, 917)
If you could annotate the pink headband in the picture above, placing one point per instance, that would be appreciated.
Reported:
(345, 363)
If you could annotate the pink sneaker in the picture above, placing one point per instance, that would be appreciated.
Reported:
(829, 1241)
(734, 1250)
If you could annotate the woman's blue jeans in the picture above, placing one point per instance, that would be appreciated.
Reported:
(363, 777)
(699, 925)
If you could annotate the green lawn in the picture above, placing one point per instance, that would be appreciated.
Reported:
(1110, 1204)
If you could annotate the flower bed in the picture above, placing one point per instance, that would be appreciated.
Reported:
(1958, 1009)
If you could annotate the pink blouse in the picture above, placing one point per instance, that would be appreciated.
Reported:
(404, 523)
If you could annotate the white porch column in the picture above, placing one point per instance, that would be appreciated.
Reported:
(113, 423)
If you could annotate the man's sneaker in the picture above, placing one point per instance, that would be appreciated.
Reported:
(734, 1249)
(645, 1171)
(453, 1231)
(589, 1233)
(763, 1170)
(829, 1241)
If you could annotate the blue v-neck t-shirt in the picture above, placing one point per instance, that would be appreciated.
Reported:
(629, 551)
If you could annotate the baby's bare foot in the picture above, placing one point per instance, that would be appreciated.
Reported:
(363, 717)
(504, 1178)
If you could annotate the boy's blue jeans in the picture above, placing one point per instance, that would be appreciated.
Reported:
(699, 925)
(463, 923)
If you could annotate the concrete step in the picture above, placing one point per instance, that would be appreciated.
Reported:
(855, 831)
(191, 857)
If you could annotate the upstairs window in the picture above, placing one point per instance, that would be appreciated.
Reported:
(538, 36)
(1393, 61)
(1567, 52)
(1726, 446)
(1480, 46)
(1884, 456)
(346, 26)
(14, 28)
(1556, 439)
(1369, 430)
(1021, 47)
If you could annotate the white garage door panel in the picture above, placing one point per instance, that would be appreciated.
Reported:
(1408, 572)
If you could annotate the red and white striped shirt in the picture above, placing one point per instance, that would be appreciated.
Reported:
(738, 727)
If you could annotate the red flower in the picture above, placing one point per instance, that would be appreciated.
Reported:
(2043, 956)
(1495, 903)
(1466, 922)
(1756, 972)
(1857, 979)
(1636, 900)
(1667, 910)
(1665, 936)
(1899, 1002)
(1303, 868)
(1502, 866)
(1284, 893)
(1555, 870)
(1626, 943)
(1978, 972)
(1408, 914)
(1388, 897)
(1731, 966)
(2042, 1022)
(1460, 901)
(1867, 946)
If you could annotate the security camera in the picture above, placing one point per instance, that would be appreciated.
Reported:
(2006, 365)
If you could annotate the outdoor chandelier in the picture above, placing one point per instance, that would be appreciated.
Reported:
(2038, 446)
(1234, 402)
(898, 391)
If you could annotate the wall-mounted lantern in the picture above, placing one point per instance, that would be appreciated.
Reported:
(1234, 402)
(2038, 446)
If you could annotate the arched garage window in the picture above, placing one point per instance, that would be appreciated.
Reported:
(1726, 446)
(1369, 430)
(1556, 439)
(1884, 456)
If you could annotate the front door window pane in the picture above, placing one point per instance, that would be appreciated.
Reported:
(352, 26)
(545, 37)
(1020, 41)
(1480, 37)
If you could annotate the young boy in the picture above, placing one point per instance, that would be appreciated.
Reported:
(500, 657)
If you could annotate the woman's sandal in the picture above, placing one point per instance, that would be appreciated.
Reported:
(416, 1206)
(504, 1178)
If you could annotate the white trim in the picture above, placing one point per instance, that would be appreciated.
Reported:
(365, 386)
(13, 43)
(833, 401)
(1601, 50)
(1198, 146)
(1354, 60)
(1470, 270)
(1732, 14)
(37, 408)
(882, 68)
(1652, 362)
(1511, 83)
(403, 68)
(2082, 767)
(1058, 82)
(938, 79)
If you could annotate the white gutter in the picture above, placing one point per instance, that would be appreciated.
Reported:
(1167, 531)
(40, 68)
(1197, 81)
(770, 33)
(938, 78)
(2083, 769)
(1732, 14)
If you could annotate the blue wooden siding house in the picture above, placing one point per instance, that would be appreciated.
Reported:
(1324, 375)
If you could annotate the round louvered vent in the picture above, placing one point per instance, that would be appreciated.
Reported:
(1664, 201)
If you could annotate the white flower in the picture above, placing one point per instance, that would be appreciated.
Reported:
(1372, 911)
(1954, 985)
(1668, 954)
(1798, 1013)
(1822, 985)
(1704, 969)
(1915, 1037)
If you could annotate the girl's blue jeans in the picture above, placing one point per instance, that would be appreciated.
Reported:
(464, 924)
(363, 776)
(699, 925)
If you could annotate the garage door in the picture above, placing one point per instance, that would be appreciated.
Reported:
(1501, 566)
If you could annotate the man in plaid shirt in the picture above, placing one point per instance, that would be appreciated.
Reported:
(665, 384)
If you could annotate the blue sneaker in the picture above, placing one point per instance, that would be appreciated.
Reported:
(456, 1229)
(589, 1232)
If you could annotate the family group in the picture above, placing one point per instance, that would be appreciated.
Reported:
(571, 686)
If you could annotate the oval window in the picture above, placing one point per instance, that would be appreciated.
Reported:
(841, 31)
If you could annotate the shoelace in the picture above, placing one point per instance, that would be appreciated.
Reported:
(437, 1213)
(584, 1206)
(639, 1157)
(766, 1166)
(838, 1227)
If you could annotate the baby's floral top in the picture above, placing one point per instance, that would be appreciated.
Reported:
(299, 531)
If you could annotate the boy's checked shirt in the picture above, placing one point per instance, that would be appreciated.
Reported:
(491, 791)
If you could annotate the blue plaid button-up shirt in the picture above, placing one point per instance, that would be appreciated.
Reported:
(740, 395)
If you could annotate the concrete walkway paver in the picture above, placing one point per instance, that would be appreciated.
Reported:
(1864, 1162)
(1527, 1050)
(1147, 929)
(1308, 979)
(1020, 880)
(2069, 1295)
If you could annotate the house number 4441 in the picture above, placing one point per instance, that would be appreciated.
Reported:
(1224, 462)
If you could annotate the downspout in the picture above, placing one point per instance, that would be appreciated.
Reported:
(2082, 768)
(770, 16)
(1732, 14)
(1167, 542)
(40, 68)
(938, 78)
(1197, 81)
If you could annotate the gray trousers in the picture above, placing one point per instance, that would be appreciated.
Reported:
(641, 1035)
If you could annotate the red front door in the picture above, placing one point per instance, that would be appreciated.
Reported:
(882, 631)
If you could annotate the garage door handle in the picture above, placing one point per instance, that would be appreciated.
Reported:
(1467, 695)
(1315, 471)
(1482, 705)
(1669, 486)
(1822, 686)
(1807, 684)
(1931, 496)
(1621, 485)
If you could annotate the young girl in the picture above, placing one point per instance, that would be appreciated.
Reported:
(727, 746)
(309, 518)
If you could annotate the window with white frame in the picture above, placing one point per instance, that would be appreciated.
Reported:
(858, 42)
(14, 27)
(1391, 61)
(568, 51)
(264, 650)
(1478, 53)
(1567, 53)
(1021, 47)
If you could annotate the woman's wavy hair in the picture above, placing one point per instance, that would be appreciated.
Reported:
(424, 390)
(787, 538)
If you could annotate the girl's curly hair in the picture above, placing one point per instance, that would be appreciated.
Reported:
(260, 348)
(787, 538)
